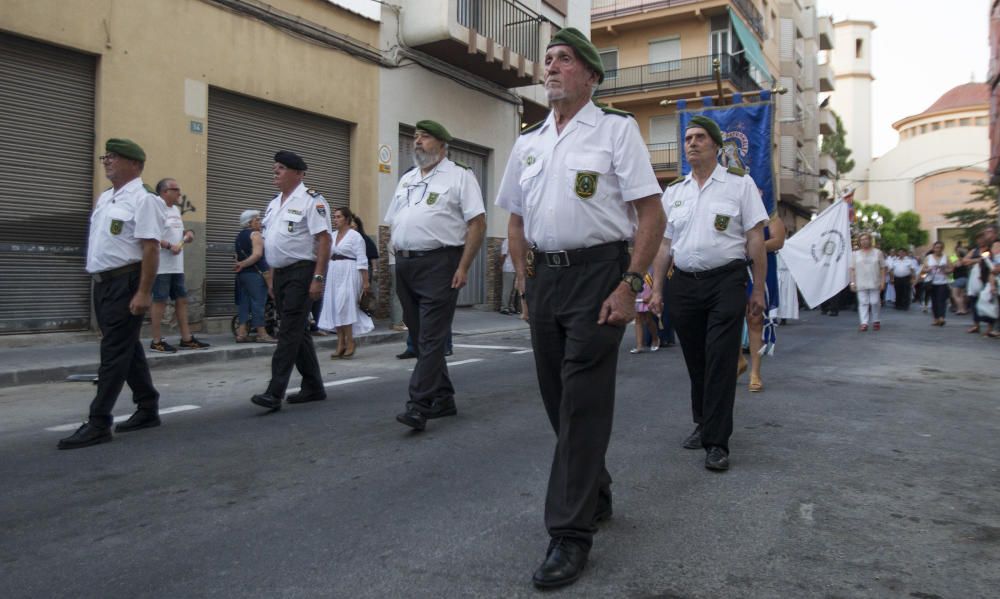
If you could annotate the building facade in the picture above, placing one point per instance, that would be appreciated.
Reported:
(852, 66)
(940, 154)
(210, 88)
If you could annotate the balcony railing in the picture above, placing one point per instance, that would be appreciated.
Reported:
(664, 156)
(609, 9)
(675, 73)
(505, 22)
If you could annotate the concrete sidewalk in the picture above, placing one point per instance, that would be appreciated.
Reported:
(45, 357)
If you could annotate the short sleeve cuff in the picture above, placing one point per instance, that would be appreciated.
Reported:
(637, 193)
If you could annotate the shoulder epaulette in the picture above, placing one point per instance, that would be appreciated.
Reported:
(615, 111)
(676, 181)
(410, 169)
(462, 165)
(531, 128)
(314, 193)
(148, 188)
(736, 171)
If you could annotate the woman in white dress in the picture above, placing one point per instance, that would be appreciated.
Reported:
(346, 280)
(788, 294)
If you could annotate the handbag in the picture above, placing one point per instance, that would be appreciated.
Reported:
(975, 284)
(986, 305)
(367, 303)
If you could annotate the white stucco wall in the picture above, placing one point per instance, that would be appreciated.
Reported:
(923, 155)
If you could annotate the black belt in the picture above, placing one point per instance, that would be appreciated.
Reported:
(712, 272)
(565, 258)
(336, 257)
(419, 253)
(296, 265)
(107, 275)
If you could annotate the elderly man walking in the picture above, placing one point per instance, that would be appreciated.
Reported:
(123, 253)
(578, 185)
(437, 223)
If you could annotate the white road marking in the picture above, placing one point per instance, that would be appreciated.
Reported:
(508, 347)
(172, 410)
(523, 351)
(460, 362)
(356, 379)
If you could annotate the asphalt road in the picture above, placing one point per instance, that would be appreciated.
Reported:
(867, 468)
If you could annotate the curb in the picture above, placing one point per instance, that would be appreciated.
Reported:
(222, 353)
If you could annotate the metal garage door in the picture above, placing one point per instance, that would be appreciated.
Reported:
(46, 185)
(475, 157)
(243, 135)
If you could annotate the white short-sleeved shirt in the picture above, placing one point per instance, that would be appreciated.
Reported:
(867, 267)
(508, 264)
(289, 229)
(901, 267)
(430, 212)
(707, 227)
(573, 189)
(120, 220)
(173, 232)
(935, 267)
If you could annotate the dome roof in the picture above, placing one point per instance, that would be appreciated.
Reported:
(962, 96)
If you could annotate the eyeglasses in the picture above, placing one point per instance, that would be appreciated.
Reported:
(177, 189)
(108, 156)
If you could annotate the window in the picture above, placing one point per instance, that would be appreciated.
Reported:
(663, 129)
(857, 47)
(964, 122)
(923, 129)
(980, 121)
(935, 126)
(664, 55)
(950, 124)
(609, 60)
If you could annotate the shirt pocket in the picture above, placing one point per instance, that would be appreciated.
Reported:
(725, 216)
(589, 175)
(118, 217)
(292, 222)
(530, 182)
(437, 196)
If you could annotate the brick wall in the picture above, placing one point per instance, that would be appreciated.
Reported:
(384, 286)
(494, 276)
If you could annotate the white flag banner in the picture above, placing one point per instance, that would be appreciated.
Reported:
(819, 254)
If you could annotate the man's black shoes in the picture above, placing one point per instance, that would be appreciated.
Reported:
(441, 408)
(140, 420)
(85, 436)
(717, 459)
(693, 440)
(304, 397)
(406, 355)
(562, 566)
(266, 400)
(413, 418)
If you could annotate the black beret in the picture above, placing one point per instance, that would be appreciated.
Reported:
(291, 160)
(435, 129)
(572, 37)
(126, 148)
(708, 125)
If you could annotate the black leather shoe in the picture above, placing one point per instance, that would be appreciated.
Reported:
(562, 566)
(441, 408)
(266, 400)
(717, 459)
(406, 355)
(141, 419)
(694, 439)
(85, 436)
(304, 397)
(448, 352)
(413, 419)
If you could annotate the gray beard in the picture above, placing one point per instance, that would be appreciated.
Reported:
(424, 159)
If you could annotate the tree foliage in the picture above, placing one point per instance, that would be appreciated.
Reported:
(835, 145)
(985, 210)
(896, 231)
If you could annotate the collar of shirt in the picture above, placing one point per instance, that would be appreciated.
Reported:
(585, 116)
(126, 189)
(718, 174)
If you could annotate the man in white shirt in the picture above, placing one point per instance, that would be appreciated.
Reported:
(122, 256)
(437, 225)
(902, 269)
(170, 276)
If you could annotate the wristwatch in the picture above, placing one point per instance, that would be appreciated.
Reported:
(634, 281)
(319, 278)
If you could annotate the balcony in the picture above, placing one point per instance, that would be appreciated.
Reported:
(791, 186)
(827, 165)
(824, 76)
(824, 31)
(602, 10)
(665, 156)
(827, 122)
(675, 73)
(495, 39)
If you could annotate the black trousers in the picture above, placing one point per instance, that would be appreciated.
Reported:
(295, 344)
(939, 299)
(904, 292)
(122, 357)
(423, 285)
(708, 317)
(576, 360)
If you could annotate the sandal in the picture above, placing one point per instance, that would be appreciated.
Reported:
(266, 339)
(973, 329)
(242, 339)
(756, 385)
(742, 366)
(993, 335)
(637, 350)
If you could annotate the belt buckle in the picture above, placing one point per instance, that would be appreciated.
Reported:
(558, 259)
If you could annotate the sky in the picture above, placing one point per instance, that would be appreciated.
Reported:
(920, 50)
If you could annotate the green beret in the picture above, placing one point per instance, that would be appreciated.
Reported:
(571, 36)
(708, 125)
(435, 129)
(126, 148)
